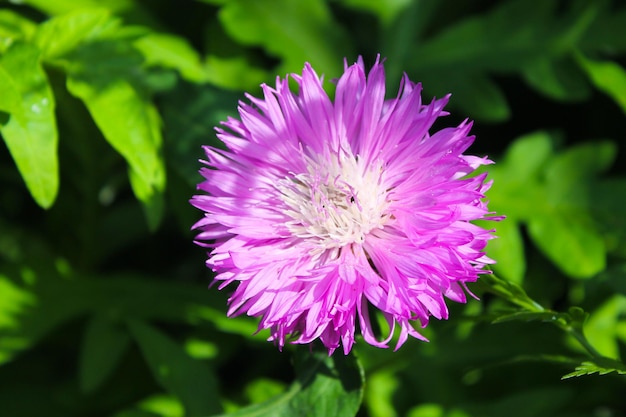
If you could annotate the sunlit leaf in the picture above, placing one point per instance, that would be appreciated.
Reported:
(234, 73)
(601, 328)
(380, 390)
(31, 131)
(507, 249)
(609, 77)
(589, 368)
(62, 34)
(64, 6)
(172, 52)
(192, 381)
(324, 386)
(385, 10)
(14, 27)
(570, 241)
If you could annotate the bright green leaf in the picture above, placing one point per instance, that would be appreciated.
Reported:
(589, 368)
(601, 328)
(64, 33)
(31, 132)
(13, 300)
(507, 249)
(570, 241)
(192, 381)
(14, 27)
(57, 7)
(104, 343)
(234, 73)
(527, 156)
(172, 52)
(385, 10)
(609, 77)
(324, 386)
(380, 390)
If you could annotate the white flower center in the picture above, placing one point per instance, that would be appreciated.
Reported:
(337, 202)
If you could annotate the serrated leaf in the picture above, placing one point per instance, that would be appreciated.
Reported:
(174, 52)
(589, 368)
(296, 31)
(31, 131)
(324, 386)
(544, 316)
(192, 381)
(509, 291)
(104, 343)
(609, 77)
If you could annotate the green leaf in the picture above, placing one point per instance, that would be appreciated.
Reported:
(191, 114)
(544, 316)
(601, 328)
(234, 73)
(398, 36)
(589, 368)
(473, 92)
(62, 34)
(527, 156)
(192, 381)
(504, 38)
(13, 301)
(104, 343)
(558, 79)
(125, 116)
(507, 249)
(508, 291)
(324, 386)
(57, 7)
(31, 132)
(172, 52)
(609, 77)
(385, 10)
(14, 27)
(570, 241)
(295, 31)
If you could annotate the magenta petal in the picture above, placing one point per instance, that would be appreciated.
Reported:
(318, 210)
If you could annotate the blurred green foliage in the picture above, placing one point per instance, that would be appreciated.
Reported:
(104, 107)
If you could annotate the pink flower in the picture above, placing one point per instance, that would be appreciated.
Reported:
(320, 210)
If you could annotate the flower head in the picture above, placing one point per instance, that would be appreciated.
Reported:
(320, 210)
